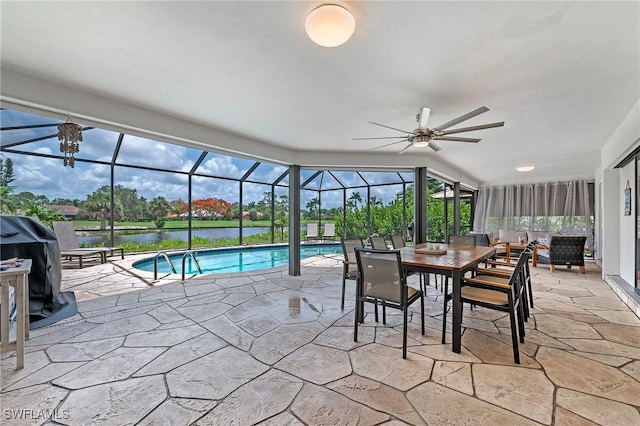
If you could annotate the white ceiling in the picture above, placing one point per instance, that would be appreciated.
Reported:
(562, 75)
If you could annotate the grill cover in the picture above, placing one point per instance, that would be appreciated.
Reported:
(26, 238)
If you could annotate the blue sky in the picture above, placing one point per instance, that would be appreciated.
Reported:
(48, 176)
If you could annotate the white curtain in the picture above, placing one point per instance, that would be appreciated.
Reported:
(555, 207)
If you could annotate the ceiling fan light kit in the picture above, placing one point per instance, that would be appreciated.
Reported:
(423, 136)
(330, 25)
(420, 141)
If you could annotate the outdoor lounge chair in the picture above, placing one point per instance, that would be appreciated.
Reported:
(329, 231)
(312, 231)
(564, 250)
(70, 247)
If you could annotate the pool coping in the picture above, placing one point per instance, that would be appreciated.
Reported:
(127, 265)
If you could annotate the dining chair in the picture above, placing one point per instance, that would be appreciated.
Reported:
(502, 267)
(501, 294)
(464, 240)
(381, 279)
(397, 241)
(349, 264)
(378, 243)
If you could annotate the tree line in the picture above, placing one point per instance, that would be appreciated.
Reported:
(363, 217)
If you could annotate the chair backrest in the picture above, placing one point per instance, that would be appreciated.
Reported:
(312, 229)
(519, 275)
(329, 229)
(378, 243)
(482, 239)
(348, 248)
(66, 235)
(397, 241)
(566, 248)
(462, 240)
(381, 275)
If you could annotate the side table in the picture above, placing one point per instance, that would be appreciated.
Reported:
(18, 277)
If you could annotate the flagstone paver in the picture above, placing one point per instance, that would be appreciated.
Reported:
(270, 349)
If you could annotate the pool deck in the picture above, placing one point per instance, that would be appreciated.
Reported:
(272, 349)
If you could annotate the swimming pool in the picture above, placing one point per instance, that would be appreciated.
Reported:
(237, 259)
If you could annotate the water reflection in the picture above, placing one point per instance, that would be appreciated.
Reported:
(157, 236)
(295, 305)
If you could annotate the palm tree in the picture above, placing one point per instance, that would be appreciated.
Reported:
(354, 200)
(99, 204)
(312, 205)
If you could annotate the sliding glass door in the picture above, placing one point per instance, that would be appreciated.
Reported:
(637, 194)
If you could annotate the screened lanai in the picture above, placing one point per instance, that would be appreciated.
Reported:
(148, 194)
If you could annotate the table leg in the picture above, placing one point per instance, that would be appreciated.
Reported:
(27, 318)
(5, 311)
(20, 323)
(534, 259)
(508, 252)
(457, 312)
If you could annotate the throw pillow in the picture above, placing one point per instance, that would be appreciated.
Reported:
(541, 236)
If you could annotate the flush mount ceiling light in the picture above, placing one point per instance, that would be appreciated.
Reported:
(525, 168)
(330, 25)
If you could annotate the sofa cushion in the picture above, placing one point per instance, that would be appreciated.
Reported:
(542, 237)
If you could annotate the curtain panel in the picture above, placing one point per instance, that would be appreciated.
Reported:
(554, 207)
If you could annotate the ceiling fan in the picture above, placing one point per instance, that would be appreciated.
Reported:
(423, 136)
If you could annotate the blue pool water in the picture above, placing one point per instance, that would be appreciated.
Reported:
(237, 259)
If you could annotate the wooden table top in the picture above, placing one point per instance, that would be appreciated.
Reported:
(457, 257)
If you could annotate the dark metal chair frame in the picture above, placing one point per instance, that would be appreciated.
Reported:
(349, 264)
(381, 279)
(482, 290)
(378, 243)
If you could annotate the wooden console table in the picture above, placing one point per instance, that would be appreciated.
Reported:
(18, 277)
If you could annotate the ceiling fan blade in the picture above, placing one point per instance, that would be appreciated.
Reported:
(462, 118)
(389, 127)
(469, 129)
(423, 118)
(434, 147)
(405, 148)
(384, 137)
(455, 139)
(388, 144)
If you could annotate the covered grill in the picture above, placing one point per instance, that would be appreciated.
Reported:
(23, 237)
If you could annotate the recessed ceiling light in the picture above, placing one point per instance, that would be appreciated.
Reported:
(330, 25)
(525, 168)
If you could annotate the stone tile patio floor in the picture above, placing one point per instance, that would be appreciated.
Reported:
(273, 349)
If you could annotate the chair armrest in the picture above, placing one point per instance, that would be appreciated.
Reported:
(503, 273)
(500, 263)
(487, 283)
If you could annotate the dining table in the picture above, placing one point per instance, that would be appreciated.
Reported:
(451, 260)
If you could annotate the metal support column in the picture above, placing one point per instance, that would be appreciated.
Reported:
(456, 208)
(294, 220)
(420, 205)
